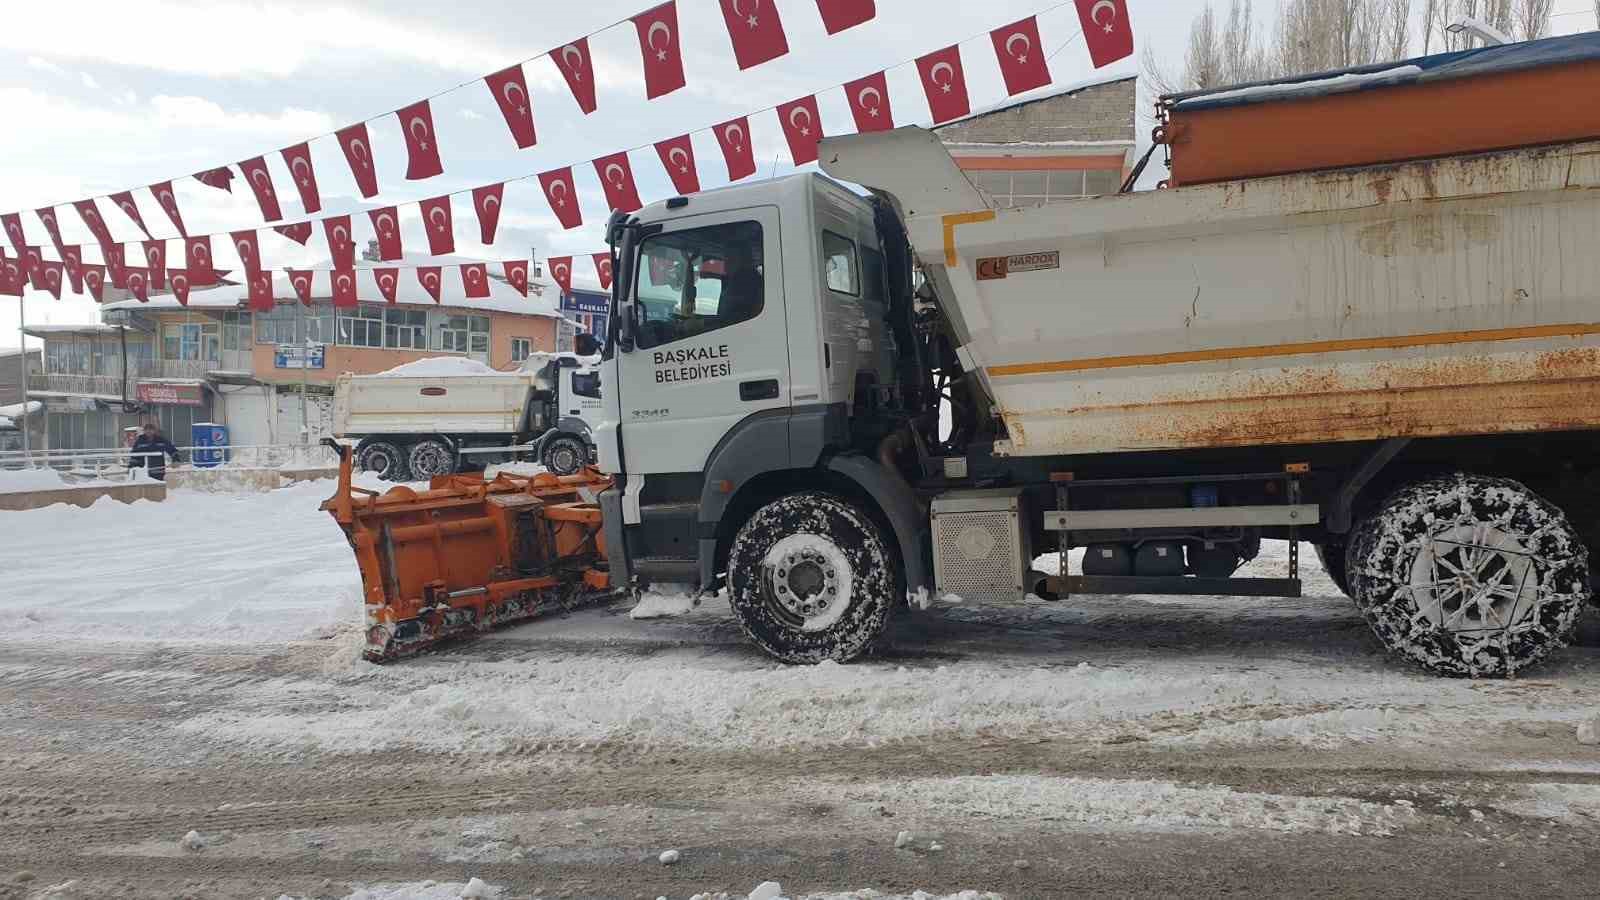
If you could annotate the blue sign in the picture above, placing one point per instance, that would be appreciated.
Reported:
(293, 356)
(586, 301)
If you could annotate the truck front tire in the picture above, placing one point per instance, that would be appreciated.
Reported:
(811, 578)
(565, 455)
(1469, 576)
(382, 459)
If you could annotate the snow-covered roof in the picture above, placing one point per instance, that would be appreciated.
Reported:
(439, 367)
(14, 410)
(223, 296)
(51, 330)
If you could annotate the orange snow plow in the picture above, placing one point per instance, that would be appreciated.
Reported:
(468, 555)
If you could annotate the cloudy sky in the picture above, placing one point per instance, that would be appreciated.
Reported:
(105, 95)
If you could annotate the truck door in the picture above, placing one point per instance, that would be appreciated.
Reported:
(710, 346)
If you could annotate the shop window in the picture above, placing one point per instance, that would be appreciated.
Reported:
(405, 329)
(361, 327)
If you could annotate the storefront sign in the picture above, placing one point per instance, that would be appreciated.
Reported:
(585, 302)
(294, 356)
(162, 393)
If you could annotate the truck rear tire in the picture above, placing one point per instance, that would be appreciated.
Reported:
(383, 459)
(565, 455)
(1469, 576)
(1333, 558)
(812, 578)
(430, 459)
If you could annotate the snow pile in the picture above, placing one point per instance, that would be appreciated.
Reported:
(474, 889)
(663, 602)
(192, 841)
(669, 857)
(439, 367)
(17, 481)
(772, 890)
(1333, 85)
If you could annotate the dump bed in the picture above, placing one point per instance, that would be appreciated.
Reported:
(446, 404)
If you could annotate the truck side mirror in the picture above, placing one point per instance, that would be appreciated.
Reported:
(585, 344)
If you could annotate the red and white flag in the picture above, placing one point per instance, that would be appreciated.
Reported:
(869, 103)
(196, 258)
(602, 270)
(616, 176)
(93, 220)
(220, 178)
(388, 282)
(47, 218)
(386, 225)
(344, 288)
(179, 279)
(440, 225)
(357, 149)
(561, 272)
(13, 226)
(12, 278)
(802, 127)
(837, 15)
(945, 83)
(1021, 56)
(54, 275)
(72, 259)
(124, 202)
(259, 286)
(162, 191)
(138, 278)
(517, 275)
(341, 245)
(1106, 30)
(300, 280)
(298, 159)
(658, 43)
(94, 278)
(577, 67)
(475, 278)
(116, 264)
(557, 185)
(510, 90)
(244, 243)
(486, 200)
(416, 122)
(260, 181)
(299, 232)
(155, 254)
(734, 138)
(430, 279)
(677, 156)
(756, 31)
(33, 264)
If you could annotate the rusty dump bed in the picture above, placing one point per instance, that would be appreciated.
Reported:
(1491, 98)
(468, 555)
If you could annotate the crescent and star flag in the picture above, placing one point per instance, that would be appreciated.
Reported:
(677, 157)
(300, 280)
(340, 246)
(438, 221)
(429, 278)
(869, 103)
(344, 288)
(116, 265)
(155, 253)
(658, 43)
(837, 15)
(13, 226)
(945, 83)
(260, 181)
(616, 176)
(12, 278)
(578, 68)
(475, 278)
(416, 123)
(47, 217)
(298, 159)
(244, 242)
(162, 191)
(561, 271)
(196, 258)
(602, 270)
(802, 127)
(91, 218)
(94, 278)
(33, 264)
(756, 31)
(386, 225)
(358, 153)
(139, 283)
(510, 90)
(220, 178)
(260, 291)
(180, 285)
(388, 282)
(299, 232)
(72, 258)
(486, 200)
(1106, 30)
(734, 138)
(54, 274)
(124, 202)
(557, 184)
(517, 275)
(1021, 56)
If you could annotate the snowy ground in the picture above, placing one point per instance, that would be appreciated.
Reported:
(192, 666)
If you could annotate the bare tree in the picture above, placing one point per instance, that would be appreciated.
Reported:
(1530, 19)
(1314, 35)
(1498, 13)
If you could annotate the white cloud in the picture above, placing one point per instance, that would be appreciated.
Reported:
(198, 111)
(89, 82)
(44, 65)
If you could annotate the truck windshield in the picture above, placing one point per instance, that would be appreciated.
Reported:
(698, 280)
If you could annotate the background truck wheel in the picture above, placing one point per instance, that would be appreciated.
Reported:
(1469, 576)
(1333, 557)
(382, 459)
(431, 458)
(812, 577)
(565, 455)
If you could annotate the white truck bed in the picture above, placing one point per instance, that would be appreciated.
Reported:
(447, 404)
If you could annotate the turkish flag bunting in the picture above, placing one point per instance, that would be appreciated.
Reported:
(802, 126)
(13, 226)
(837, 15)
(12, 277)
(734, 137)
(388, 281)
(344, 288)
(72, 258)
(945, 83)
(299, 232)
(658, 43)
(260, 181)
(196, 257)
(557, 184)
(510, 90)
(1021, 56)
(561, 271)
(340, 247)
(116, 265)
(1106, 30)
(94, 278)
(33, 264)
(517, 275)
(440, 224)
(180, 285)
(298, 159)
(578, 68)
(260, 291)
(220, 178)
(162, 191)
(91, 218)
(358, 152)
(416, 121)
(616, 176)
(869, 103)
(155, 253)
(124, 202)
(486, 200)
(139, 283)
(300, 280)
(677, 156)
(429, 278)
(386, 225)
(475, 278)
(47, 216)
(602, 270)
(244, 242)
(757, 33)
(54, 274)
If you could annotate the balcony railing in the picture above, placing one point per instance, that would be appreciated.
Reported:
(111, 385)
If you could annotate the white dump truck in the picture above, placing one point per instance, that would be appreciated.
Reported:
(416, 421)
(1395, 360)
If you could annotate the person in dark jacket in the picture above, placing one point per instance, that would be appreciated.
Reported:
(152, 441)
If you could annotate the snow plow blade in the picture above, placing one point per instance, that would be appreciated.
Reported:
(468, 555)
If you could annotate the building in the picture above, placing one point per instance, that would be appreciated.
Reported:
(15, 366)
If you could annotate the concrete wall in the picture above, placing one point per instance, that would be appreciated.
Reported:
(83, 496)
(1100, 113)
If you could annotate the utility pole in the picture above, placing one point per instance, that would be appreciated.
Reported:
(22, 342)
(305, 362)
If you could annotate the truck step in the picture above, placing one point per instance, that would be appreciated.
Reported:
(1175, 584)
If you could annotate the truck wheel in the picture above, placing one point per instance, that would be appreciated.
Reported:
(1469, 576)
(812, 578)
(431, 458)
(384, 460)
(565, 455)
(1333, 556)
